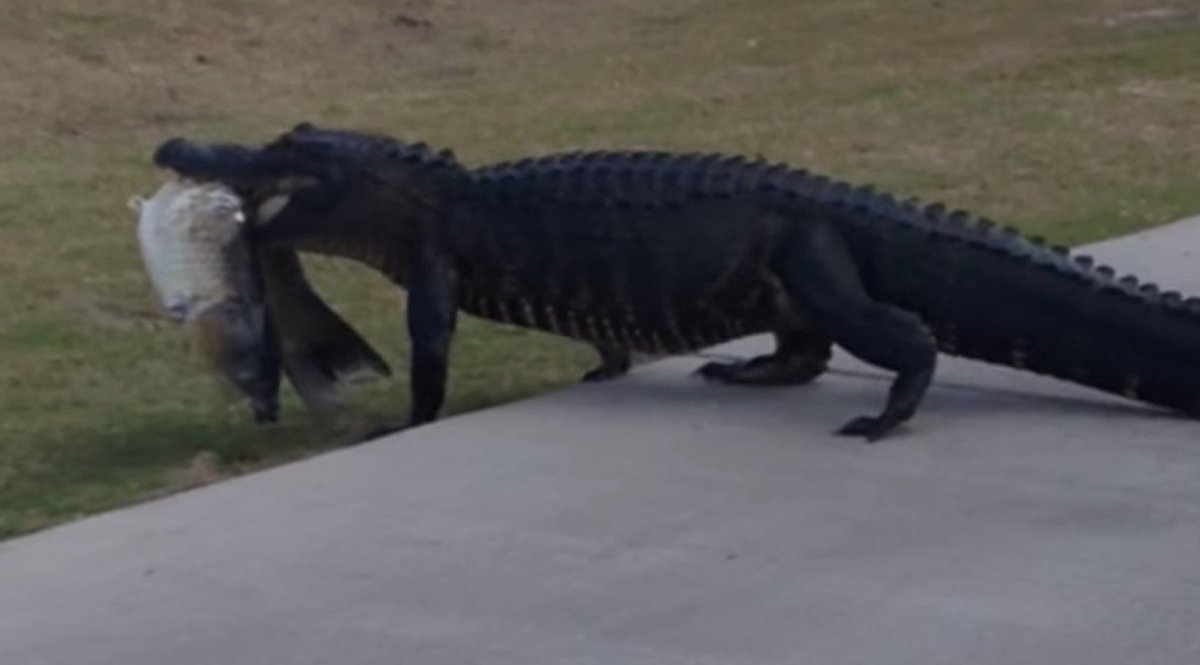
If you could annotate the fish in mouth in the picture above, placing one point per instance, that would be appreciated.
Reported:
(197, 253)
(249, 310)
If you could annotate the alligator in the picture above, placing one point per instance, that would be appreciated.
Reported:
(666, 253)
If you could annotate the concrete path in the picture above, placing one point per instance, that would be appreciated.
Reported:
(658, 520)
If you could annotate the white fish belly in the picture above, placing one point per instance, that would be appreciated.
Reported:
(193, 246)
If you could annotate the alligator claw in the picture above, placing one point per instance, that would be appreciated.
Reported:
(872, 429)
(770, 370)
(718, 371)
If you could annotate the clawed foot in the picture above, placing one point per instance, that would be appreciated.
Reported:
(764, 370)
(872, 429)
(719, 371)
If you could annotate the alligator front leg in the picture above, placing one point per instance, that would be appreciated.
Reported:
(799, 357)
(818, 271)
(431, 320)
(614, 362)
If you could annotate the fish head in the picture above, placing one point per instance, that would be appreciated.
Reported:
(234, 339)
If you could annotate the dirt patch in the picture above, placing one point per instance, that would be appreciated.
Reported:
(203, 469)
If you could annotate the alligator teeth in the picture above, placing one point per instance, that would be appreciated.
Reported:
(270, 208)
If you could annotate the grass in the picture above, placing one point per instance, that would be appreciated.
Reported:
(1070, 118)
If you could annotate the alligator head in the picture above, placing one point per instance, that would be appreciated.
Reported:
(331, 191)
(304, 158)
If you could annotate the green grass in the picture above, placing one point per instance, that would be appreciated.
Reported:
(1070, 118)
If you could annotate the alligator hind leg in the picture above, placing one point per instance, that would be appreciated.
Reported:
(799, 357)
(818, 271)
(614, 362)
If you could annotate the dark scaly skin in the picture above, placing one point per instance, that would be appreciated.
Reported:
(667, 253)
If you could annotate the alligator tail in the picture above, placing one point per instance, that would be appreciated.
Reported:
(991, 294)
